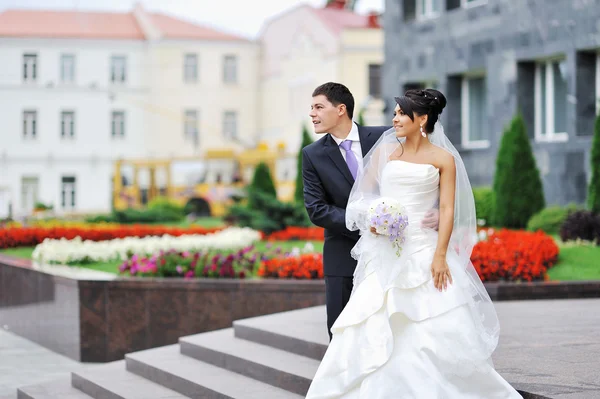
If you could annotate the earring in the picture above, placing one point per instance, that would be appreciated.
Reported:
(423, 132)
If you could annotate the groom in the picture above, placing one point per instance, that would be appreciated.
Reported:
(329, 167)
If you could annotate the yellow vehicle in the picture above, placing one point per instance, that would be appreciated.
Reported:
(208, 184)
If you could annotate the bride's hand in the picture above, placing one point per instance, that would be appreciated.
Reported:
(440, 273)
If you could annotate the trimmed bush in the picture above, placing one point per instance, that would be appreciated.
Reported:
(262, 180)
(594, 188)
(581, 225)
(484, 202)
(550, 219)
(518, 192)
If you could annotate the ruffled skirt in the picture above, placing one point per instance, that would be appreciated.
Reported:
(405, 339)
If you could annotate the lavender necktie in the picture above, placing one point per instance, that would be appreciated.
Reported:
(350, 157)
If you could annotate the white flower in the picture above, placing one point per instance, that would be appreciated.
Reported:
(76, 250)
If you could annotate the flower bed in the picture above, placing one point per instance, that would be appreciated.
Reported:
(508, 255)
(307, 266)
(30, 236)
(82, 251)
(298, 233)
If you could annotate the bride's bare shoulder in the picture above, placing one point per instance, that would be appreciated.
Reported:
(442, 158)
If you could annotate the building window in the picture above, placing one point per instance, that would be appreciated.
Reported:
(29, 193)
(230, 124)
(428, 9)
(68, 192)
(190, 126)
(190, 68)
(118, 69)
(230, 69)
(598, 84)
(118, 124)
(474, 113)
(30, 124)
(67, 68)
(67, 124)
(551, 101)
(472, 3)
(29, 67)
(375, 80)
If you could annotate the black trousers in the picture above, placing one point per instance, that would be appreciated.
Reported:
(337, 293)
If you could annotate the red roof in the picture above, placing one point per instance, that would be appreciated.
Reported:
(340, 19)
(99, 25)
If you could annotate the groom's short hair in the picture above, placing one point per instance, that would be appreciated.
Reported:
(337, 94)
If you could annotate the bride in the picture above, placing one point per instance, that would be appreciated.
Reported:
(419, 322)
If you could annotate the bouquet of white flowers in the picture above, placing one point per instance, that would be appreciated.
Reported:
(389, 219)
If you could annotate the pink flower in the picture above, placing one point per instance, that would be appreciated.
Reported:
(189, 274)
(179, 269)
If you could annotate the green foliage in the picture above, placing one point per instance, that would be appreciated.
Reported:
(550, 219)
(262, 180)
(361, 118)
(306, 140)
(484, 202)
(267, 214)
(42, 207)
(518, 192)
(131, 216)
(166, 205)
(594, 188)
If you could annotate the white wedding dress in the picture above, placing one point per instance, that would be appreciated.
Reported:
(409, 340)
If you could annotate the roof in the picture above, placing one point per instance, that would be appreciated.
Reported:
(100, 25)
(340, 19)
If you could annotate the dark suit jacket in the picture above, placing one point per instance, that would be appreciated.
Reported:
(327, 185)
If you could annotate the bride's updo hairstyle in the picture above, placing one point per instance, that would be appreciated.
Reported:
(428, 102)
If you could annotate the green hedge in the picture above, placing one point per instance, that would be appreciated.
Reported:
(484, 202)
(550, 219)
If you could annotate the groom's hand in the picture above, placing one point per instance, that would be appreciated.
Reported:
(431, 219)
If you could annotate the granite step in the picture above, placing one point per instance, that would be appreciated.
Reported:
(302, 331)
(196, 379)
(276, 367)
(57, 389)
(113, 381)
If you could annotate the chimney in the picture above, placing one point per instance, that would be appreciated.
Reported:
(145, 22)
(336, 4)
(373, 20)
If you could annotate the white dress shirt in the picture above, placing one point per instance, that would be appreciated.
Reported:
(356, 148)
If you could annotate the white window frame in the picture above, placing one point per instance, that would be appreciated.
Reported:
(190, 75)
(30, 186)
(117, 124)
(466, 141)
(230, 118)
(550, 135)
(598, 83)
(30, 125)
(428, 12)
(230, 68)
(67, 125)
(118, 69)
(30, 70)
(472, 3)
(190, 125)
(68, 202)
(67, 68)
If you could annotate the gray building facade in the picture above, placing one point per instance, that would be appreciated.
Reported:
(496, 58)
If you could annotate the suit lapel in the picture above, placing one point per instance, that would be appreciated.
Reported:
(366, 140)
(333, 151)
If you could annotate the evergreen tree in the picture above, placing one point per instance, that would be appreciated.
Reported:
(594, 188)
(518, 191)
(306, 140)
(262, 180)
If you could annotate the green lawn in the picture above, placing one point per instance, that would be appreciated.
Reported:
(577, 263)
